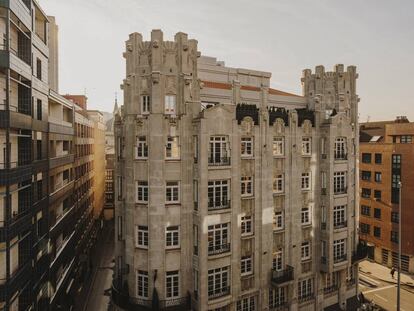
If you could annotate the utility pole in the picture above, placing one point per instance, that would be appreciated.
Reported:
(399, 248)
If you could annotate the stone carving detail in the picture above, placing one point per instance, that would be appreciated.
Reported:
(144, 50)
(169, 53)
(170, 85)
(279, 126)
(144, 85)
(307, 127)
(247, 125)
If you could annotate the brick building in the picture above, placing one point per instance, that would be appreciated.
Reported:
(386, 158)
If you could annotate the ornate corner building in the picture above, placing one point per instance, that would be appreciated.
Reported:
(229, 194)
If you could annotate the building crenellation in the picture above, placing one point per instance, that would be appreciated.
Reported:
(230, 194)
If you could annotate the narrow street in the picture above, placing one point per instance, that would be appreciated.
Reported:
(95, 296)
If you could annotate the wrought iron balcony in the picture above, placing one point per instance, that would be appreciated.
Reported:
(283, 306)
(218, 249)
(219, 292)
(340, 224)
(219, 161)
(340, 258)
(361, 253)
(306, 297)
(217, 204)
(282, 276)
(330, 289)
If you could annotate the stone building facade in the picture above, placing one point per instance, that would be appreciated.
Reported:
(232, 195)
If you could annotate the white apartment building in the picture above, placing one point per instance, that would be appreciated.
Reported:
(232, 195)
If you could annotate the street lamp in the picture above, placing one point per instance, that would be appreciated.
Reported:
(399, 247)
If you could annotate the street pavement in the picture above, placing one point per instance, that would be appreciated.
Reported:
(376, 284)
(98, 294)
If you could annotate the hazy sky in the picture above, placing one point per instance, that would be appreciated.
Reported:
(279, 36)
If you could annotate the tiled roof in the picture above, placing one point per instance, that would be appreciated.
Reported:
(228, 86)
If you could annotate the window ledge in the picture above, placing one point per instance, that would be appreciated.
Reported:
(172, 248)
(250, 196)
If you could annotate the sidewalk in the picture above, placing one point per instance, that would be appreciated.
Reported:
(383, 273)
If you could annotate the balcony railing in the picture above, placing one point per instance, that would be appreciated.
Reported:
(340, 258)
(218, 249)
(341, 156)
(282, 276)
(219, 161)
(306, 297)
(360, 254)
(219, 292)
(217, 205)
(175, 302)
(340, 224)
(330, 289)
(282, 306)
(340, 190)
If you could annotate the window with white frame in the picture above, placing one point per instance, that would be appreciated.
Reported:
(331, 280)
(246, 225)
(305, 251)
(142, 284)
(218, 238)
(218, 194)
(145, 104)
(277, 260)
(172, 237)
(340, 148)
(142, 236)
(324, 249)
(278, 220)
(172, 148)
(323, 181)
(323, 145)
(277, 297)
(195, 148)
(142, 148)
(218, 282)
(247, 146)
(306, 181)
(218, 150)
(246, 186)
(142, 191)
(170, 104)
(195, 194)
(339, 247)
(305, 288)
(339, 215)
(172, 284)
(340, 182)
(306, 146)
(278, 146)
(278, 183)
(247, 304)
(306, 218)
(246, 266)
(172, 192)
